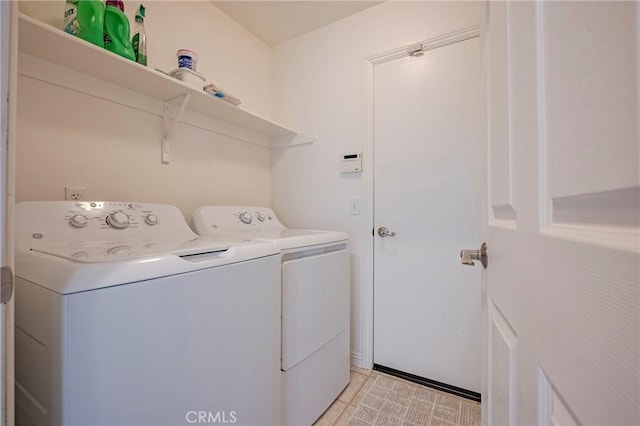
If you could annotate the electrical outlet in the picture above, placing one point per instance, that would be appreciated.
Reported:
(75, 194)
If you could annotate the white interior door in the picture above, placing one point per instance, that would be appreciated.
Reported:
(428, 181)
(8, 79)
(562, 286)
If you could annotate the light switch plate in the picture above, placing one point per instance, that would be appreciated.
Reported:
(354, 206)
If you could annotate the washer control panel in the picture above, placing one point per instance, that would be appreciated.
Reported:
(111, 214)
(73, 221)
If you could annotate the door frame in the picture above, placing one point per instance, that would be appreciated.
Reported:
(365, 358)
(8, 109)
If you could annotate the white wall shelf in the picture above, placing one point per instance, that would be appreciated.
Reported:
(51, 45)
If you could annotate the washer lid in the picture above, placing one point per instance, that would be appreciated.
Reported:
(121, 250)
(73, 268)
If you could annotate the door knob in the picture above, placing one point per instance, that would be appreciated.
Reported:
(384, 232)
(468, 256)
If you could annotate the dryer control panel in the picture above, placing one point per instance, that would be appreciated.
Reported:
(231, 219)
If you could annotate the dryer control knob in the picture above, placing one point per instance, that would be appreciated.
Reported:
(151, 219)
(78, 221)
(118, 220)
(245, 218)
(260, 217)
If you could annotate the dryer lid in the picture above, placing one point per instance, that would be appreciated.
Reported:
(297, 238)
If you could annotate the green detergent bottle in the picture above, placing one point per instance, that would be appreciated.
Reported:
(116, 30)
(85, 19)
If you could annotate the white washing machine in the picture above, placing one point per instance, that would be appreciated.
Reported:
(315, 304)
(124, 316)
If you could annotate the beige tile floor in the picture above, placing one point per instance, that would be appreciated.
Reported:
(374, 398)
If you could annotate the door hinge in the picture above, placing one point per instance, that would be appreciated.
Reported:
(6, 284)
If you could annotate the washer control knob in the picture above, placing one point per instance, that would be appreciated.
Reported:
(245, 218)
(78, 221)
(261, 217)
(118, 220)
(151, 219)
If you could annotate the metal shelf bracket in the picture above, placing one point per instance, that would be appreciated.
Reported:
(170, 120)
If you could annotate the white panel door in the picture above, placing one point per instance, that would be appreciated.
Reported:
(428, 181)
(562, 287)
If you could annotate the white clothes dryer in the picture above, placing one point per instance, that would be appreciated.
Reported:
(124, 316)
(315, 304)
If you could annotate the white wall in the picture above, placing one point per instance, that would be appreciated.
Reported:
(70, 138)
(318, 83)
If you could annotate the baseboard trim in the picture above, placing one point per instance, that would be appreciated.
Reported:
(357, 361)
(464, 393)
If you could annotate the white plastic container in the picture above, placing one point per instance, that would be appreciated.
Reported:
(187, 59)
(190, 77)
